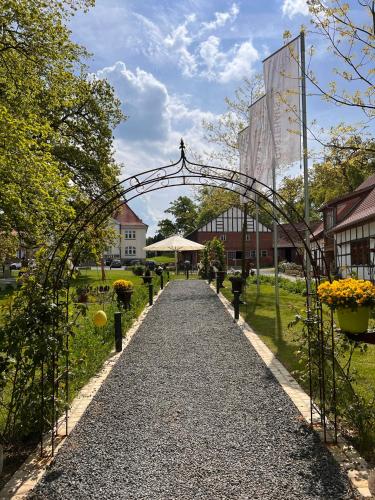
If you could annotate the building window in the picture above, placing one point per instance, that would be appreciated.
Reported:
(264, 253)
(330, 218)
(129, 234)
(247, 236)
(231, 255)
(253, 253)
(360, 252)
(223, 237)
(130, 251)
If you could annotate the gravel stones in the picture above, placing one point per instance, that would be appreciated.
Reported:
(190, 411)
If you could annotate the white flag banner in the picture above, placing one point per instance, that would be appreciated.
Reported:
(255, 144)
(282, 84)
(260, 140)
(243, 148)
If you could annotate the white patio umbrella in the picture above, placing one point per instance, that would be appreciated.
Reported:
(176, 244)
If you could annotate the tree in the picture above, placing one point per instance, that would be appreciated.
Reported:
(291, 189)
(166, 228)
(212, 202)
(224, 131)
(184, 212)
(55, 122)
(352, 42)
(8, 247)
(344, 168)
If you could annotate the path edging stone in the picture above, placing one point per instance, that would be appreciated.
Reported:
(33, 469)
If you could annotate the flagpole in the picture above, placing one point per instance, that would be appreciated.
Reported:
(257, 240)
(275, 239)
(305, 164)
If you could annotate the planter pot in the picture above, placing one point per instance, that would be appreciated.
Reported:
(83, 298)
(237, 285)
(125, 297)
(353, 321)
(147, 279)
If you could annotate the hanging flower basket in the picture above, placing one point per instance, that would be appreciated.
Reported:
(353, 321)
(352, 299)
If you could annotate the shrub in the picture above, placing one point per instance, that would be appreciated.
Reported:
(138, 270)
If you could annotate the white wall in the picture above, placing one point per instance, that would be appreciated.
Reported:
(117, 250)
(342, 247)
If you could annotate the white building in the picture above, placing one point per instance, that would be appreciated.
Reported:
(131, 239)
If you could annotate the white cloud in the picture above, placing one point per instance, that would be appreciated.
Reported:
(210, 54)
(179, 40)
(150, 137)
(222, 18)
(227, 66)
(144, 100)
(241, 64)
(291, 8)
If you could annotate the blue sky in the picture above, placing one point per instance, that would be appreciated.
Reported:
(172, 64)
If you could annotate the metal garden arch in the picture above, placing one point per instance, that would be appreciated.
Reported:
(321, 345)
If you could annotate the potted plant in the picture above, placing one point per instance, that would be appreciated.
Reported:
(237, 282)
(123, 290)
(82, 295)
(352, 299)
(159, 271)
(147, 277)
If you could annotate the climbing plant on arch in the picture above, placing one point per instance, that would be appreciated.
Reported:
(45, 315)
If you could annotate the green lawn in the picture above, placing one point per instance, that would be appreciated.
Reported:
(163, 259)
(271, 324)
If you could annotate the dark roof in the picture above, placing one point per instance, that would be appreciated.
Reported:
(126, 217)
(364, 211)
(287, 232)
(370, 181)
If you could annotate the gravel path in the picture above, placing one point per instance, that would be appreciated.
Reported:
(189, 412)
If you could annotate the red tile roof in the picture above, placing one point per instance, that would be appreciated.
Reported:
(370, 181)
(364, 211)
(126, 217)
(287, 232)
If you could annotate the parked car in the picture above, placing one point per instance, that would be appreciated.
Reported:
(115, 263)
(108, 261)
(15, 265)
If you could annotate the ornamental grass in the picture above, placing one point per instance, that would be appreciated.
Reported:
(122, 285)
(351, 293)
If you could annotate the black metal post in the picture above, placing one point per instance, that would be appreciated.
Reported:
(118, 332)
(236, 303)
(150, 294)
(161, 281)
(217, 283)
(167, 275)
(187, 274)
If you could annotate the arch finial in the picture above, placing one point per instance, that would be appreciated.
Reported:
(182, 147)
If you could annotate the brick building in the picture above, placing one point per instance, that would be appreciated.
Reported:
(227, 227)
